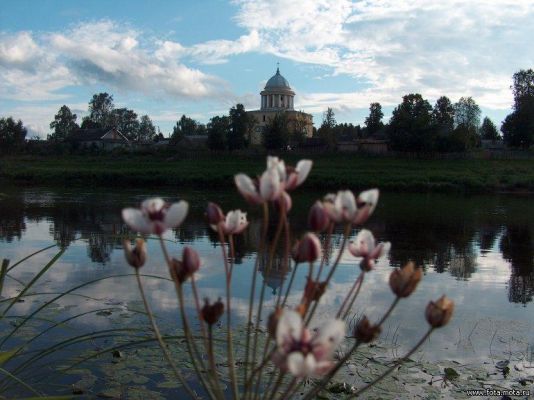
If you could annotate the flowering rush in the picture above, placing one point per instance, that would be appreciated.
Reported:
(302, 352)
(155, 216)
(273, 182)
(344, 207)
(365, 246)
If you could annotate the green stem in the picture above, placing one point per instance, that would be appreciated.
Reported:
(356, 287)
(157, 334)
(229, 341)
(211, 358)
(253, 291)
(346, 234)
(190, 343)
(394, 366)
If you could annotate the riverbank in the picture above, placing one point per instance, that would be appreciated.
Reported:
(329, 172)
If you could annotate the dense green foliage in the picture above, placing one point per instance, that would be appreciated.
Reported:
(374, 121)
(241, 125)
(218, 131)
(410, 127)
(276, 133)
(64, 124)
(488, 130)
(330, 172)
(518, 127)
(12, 135)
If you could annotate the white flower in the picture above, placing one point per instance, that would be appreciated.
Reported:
(234, 223)
(267, 189)
(344, 207)
(304, 353)
(365, 246)
(276, 179)
(155, 216)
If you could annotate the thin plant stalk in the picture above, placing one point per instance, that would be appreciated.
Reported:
(194, 355)
(253, 289)
(290, 285)
(326, 250)
(356, 287)
(3, 273)
(262, 292)
(394, 366)
(282, 223)
(354, 297)
(211, 357)
(229, 341)
(346, 234)
(161, 343)
(197, 306)
(342, 362)
(289, 389)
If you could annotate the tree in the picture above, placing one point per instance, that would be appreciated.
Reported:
(147, 131)
(12, 134)
(410, 127)
(185, 126)
(275, 136)
(518, 127)
(240, 128)
(326, 131)
(443, 115)
(125, 121)
(467, 112)
(64, 124)
(523, 87)
(374, 121)
(218, 129)
(488, 130)
(100, 108)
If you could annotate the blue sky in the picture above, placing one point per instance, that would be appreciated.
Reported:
(167, 58)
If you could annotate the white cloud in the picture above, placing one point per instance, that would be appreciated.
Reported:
(102, 53)
(455, 48)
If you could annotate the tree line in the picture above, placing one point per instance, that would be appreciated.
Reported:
(415, 125)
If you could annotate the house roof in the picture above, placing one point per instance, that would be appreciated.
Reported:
(83, 135)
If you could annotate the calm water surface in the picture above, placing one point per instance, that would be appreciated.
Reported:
(479, 250)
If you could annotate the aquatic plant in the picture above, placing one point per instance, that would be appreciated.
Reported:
(297, 353)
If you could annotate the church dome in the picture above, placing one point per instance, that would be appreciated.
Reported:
(277, 81)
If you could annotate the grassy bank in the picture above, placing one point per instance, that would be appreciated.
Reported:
(329, 172)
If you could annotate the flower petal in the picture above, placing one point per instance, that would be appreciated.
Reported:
(363, 244)
(327, 338)
(246, 187)
(152, 205)
(289, 328)
(301, 366)
(135, 219)
(270, 185)
(345, 204)
(176, 214)
(303, 169)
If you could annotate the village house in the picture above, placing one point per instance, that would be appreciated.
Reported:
(101, 138)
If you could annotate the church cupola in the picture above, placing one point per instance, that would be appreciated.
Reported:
(277, 94)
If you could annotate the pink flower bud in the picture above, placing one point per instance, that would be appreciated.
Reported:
(318, 219)
(182, 270)
(214, 214)
(135, 256)
(308, 249)
(440, 312)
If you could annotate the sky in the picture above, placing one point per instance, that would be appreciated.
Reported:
(166, 58)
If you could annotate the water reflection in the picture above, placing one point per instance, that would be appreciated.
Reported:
(444, 233)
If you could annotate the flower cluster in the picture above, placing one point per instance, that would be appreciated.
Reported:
(293, 347)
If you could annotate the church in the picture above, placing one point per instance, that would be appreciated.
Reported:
(276, 98)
